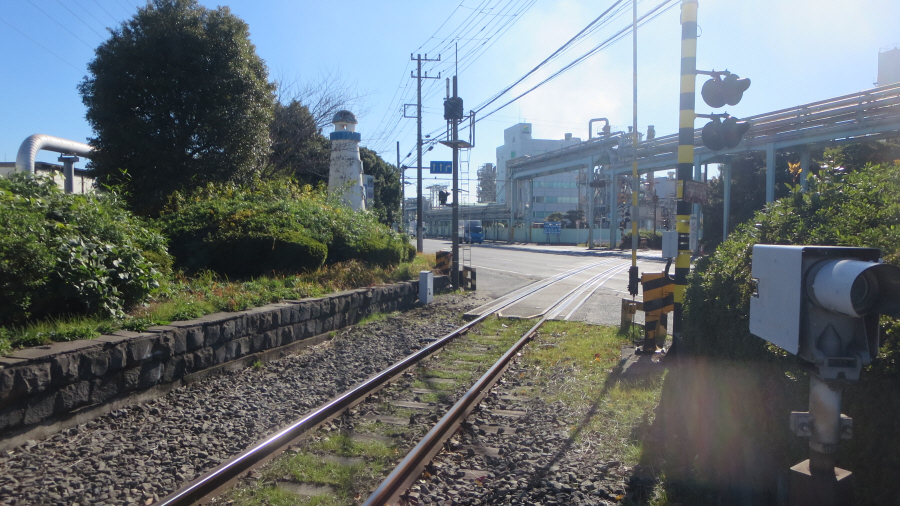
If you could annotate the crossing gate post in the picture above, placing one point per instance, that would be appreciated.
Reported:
(658, 300)
(444, 259)
(469, 279)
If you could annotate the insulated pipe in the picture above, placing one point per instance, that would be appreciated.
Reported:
(30, 147)
(591, 126)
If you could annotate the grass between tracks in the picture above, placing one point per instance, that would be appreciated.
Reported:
(575, 364)
(579, 366)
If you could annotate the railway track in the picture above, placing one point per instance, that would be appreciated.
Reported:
(436, 377)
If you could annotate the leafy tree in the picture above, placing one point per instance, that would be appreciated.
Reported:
(387, 186)
(298, 146)
(574, 216)
(748, 193)
(557, 216)
(177, 97)
(748, 186)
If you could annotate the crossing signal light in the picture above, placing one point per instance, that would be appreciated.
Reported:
(718, 92)
(442, 197)
(718, 135)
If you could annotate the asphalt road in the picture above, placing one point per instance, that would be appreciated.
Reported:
(503, 268)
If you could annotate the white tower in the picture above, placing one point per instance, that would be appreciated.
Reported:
(345, 175)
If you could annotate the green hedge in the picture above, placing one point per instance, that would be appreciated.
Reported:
(856, 209)
(275, 225)
(256, 255)
(72, 254)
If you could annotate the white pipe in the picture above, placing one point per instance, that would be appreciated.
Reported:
(30, 147)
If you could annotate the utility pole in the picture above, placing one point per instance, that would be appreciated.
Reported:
(402, 192)
(635, 179)
(420, 211)
(453, 113)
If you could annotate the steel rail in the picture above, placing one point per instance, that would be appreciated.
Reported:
(540, 285)
(217, 479)
(581, 294)
(410, 468)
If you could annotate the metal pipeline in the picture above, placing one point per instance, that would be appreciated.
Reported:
(30, 147)
(591, 127)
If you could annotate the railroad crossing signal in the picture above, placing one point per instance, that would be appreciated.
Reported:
(718, 135)
(718, 92)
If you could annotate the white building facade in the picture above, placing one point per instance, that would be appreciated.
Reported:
(556, 193)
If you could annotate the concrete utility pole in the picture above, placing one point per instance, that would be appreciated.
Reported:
(402, 192)
(420, 211)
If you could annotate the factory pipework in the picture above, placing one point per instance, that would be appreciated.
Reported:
(29, 149)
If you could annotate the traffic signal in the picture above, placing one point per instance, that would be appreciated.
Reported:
(453, 108)
(718, 92)
(442, 197)
(718, 135)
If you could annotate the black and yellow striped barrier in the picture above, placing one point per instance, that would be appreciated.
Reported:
(659, 291)
(468, 278)
(444, 259)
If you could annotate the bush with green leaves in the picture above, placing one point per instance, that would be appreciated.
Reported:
(854, 209)
(652, 239)
(72, 254)
(272, 226)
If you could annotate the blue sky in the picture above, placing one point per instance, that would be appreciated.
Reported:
(795, 52)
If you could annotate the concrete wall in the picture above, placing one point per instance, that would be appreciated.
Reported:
(48, 382)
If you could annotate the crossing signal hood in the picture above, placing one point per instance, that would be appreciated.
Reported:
(718, 135)
(718, 92)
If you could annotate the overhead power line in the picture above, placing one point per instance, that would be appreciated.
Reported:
(646, 18)
(64, 27)
(66, 7)
(559, 50)
(23, 34)
(649, 16)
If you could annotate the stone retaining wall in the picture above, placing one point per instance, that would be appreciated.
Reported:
(43, 383)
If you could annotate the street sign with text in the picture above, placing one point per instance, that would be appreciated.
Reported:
(552, 227)
(695, 192)
(442, 167)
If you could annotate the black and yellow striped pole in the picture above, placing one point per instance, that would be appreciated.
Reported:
(686, 118)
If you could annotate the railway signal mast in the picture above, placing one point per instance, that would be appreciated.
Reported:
(724, 88)
(718, 92)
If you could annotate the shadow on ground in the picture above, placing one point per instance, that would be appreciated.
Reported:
(721, 435)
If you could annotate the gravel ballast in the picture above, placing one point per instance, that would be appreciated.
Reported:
(140, 453)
